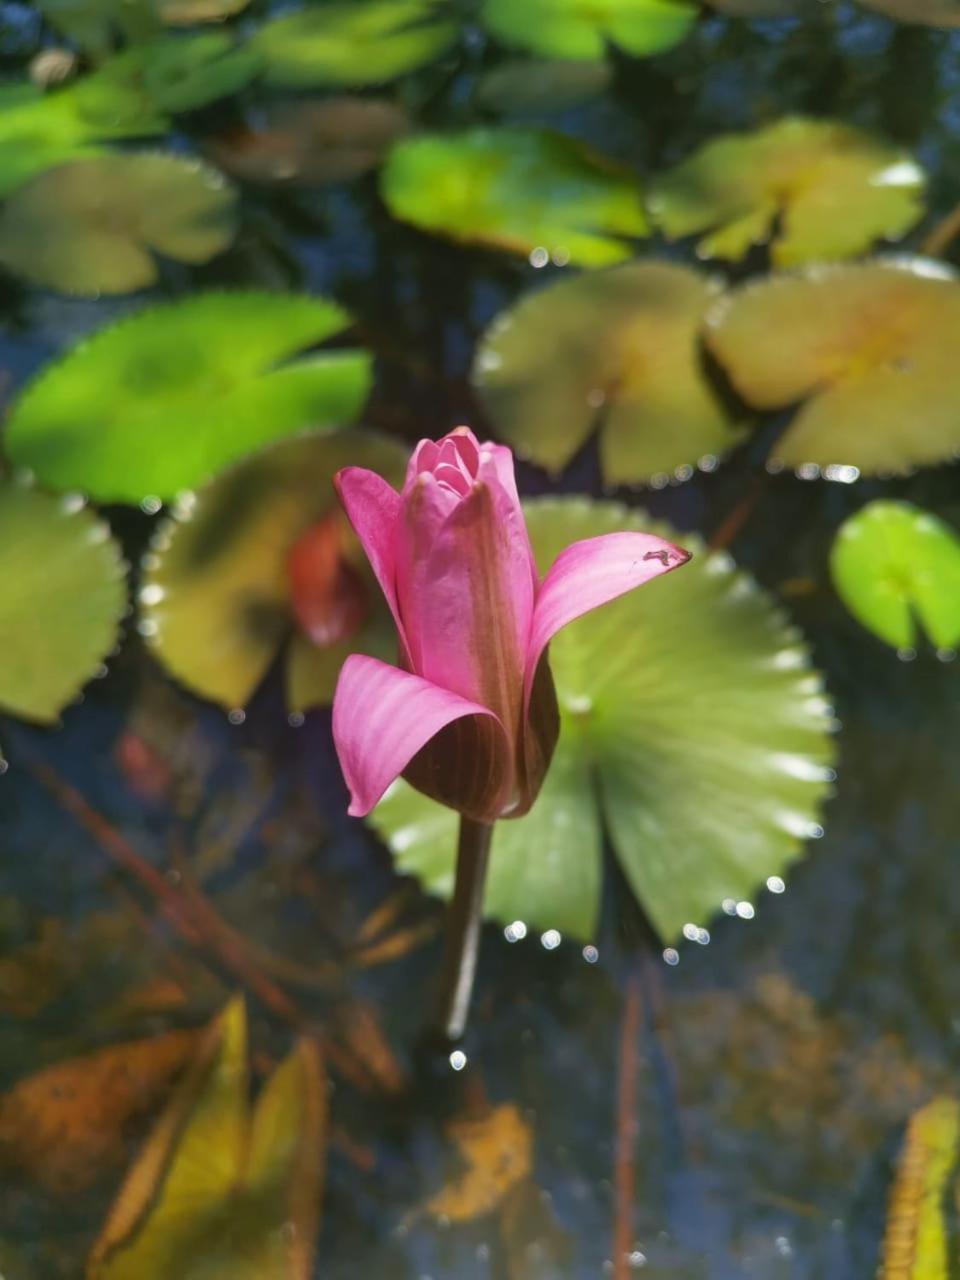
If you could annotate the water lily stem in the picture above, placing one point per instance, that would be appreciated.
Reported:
(464, 918)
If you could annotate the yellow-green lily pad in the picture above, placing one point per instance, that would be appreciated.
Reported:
(91, 226)
(897, 567)
(692, 727)
(220, 1191)
(584, 28)
(357, 43)
(164, 399)
(821, 190)
(616, 351)
(216, 601)
(918, 1239)
(867, 351)
(527, 191)
(62, 594)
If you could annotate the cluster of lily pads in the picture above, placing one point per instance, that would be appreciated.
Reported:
(696, 733)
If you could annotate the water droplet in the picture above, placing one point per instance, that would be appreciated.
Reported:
(636, 1260)
(148, 627)
(152, 593)
(671, 956)
(539, 257)
(745, 910)
(4, 766)
(703, 937)
(550, 940)
(295, 719)
(841, 474)
(71, 503)
(690, 932)
(808, 471)
(237, 715)
(458, 1059)
(775, 884)
(516, 931)
(946, 655)
(591, 954)
(150, 505)
(906, 654)
(729, 906)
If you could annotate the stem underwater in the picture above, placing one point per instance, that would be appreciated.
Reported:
(462, 936)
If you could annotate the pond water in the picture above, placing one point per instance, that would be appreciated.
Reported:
(719, 1111)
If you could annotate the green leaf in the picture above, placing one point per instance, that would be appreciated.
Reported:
(163, 399)
(868, 352)
(217, 1193)
(93, 24)
(822, 190)
(615, 350)
(216, 599)
(185, 13)
(917, 1241)
(174, 73)
(62, 594)
(87, 227)
(693, 728)
(365, 42)
(584, 28)
(532, 85)
(895, 566)
(519, 190)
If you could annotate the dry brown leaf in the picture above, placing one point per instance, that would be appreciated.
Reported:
(497, 1152)
(67, 1124)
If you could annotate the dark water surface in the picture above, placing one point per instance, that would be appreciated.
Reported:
(773, 1068)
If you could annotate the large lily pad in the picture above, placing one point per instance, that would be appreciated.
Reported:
(62, 595)
(93, 24)
(584, 28)
(218, 1193)
(163, 399)
(88, 227)
(617, 350)
(868, 351)
(329, 140)
(822, 190)
(365, 42)
(216, 595)
(517, 189)
(896, 567)
(693, 727)
(531, 85)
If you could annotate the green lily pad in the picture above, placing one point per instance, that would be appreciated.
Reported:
(93, 24)
(524, 190)
(584, 28)
(693, 728)
(170, 74)
(896, 567)
(62, 594)
(219, 1191)
(867, 350)
(822, 190)
(165, 398)
(304, 143)
(216, 596)
(88, 227)
(541, 84)
(184, 13)
(617, 350)
(927, 13)
(365, 42)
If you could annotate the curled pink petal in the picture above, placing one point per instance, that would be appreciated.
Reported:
(381, 718)
(589, 573)
(373, 508)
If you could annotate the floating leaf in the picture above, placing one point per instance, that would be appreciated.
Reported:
(167, 75)
(365, 42)
(867, 350)
(894, 567)
(929, 13)
(583, 29)
(618, 350)
(822, 190)
(67, 1124)
(692, 726)
(163, 399)
(519, 190)
(61, 598)
(186, 12)
(88, 227)
(496, 1151)
(93, 24)
(530, 84)
(916, 1243)
(333, 140)
(217, 593)
(217, 1192)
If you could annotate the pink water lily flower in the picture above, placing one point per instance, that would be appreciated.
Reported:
(469, 716)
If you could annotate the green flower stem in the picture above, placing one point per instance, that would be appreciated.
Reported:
(464, 918)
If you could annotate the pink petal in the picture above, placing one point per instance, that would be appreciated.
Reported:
(373, 508)
(589, 573)
(382, 716)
